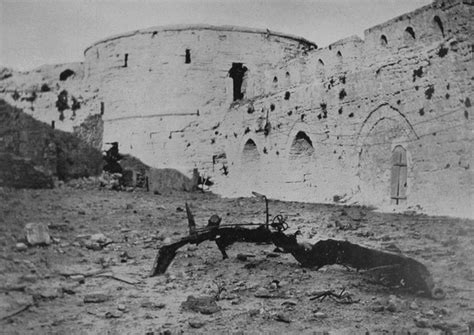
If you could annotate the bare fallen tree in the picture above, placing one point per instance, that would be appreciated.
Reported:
(390, 269)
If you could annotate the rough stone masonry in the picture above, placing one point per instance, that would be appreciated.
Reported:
(384, 121)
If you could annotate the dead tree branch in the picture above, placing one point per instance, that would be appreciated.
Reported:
(393, 269)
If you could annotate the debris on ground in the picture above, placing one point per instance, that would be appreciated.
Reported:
(37, 233)
(387, 268)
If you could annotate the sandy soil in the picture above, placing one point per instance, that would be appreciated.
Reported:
(138, 223)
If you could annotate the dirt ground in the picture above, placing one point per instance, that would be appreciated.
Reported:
(67, 287)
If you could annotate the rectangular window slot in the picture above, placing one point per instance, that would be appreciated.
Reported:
(188, 57)
(125, 61)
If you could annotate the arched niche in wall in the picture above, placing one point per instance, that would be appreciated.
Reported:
(301, 147)
(409, 35)
(250, 154)
(250, 166)
(385, 128)
(438, 24)
(300, 150)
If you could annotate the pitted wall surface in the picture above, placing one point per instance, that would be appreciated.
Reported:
(319, 125)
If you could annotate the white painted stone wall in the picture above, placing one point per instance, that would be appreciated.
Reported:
(156, 98)
(355, 101)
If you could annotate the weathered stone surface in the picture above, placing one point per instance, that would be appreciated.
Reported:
(384, 121)
(37, 233)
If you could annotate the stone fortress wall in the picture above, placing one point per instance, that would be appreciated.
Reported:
(385, 121)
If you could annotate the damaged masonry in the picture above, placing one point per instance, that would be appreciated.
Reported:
(210, 179)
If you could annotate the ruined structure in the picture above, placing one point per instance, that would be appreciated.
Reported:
(384, 121)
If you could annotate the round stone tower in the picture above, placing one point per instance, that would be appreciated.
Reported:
(156, 83)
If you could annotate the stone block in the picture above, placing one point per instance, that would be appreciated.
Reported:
(37, 233)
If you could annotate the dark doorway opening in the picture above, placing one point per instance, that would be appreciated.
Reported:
(237, 72)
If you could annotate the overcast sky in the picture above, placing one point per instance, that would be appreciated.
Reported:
(33, 33)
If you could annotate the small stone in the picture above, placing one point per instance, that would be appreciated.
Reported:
(273, 255)
(242, 257)
(430, 313)
(98, 238)
(129, 206)
(167, 240)
(254, 312)
(421, 323)
(113, 314)
(205, 305)
(79, 278)
(37, 233)
(262, 293)
(51, 293)
(282, 318)
(377, 306)
(395, 304)
(21, 247)
(121, 307)
(320, 315)
(196, 324)
(96, 297)
(273, 286)
(414, 306)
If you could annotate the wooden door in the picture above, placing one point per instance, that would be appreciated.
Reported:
(399, 175)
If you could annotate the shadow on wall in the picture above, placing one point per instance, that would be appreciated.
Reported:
(51, 153)
(162, 181)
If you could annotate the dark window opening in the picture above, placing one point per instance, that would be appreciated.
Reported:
(339, 54)
(237, 73)
(102, 108)
(437, 20)
(188, 57)
(53, 123)
(66, 74)
(287, 74)
(410, 33)
(287, 95)
(383, 40)
(125, 61)
(275, 79)
(320, 61)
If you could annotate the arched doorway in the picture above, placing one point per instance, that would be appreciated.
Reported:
(383, 163)
(399, 183)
